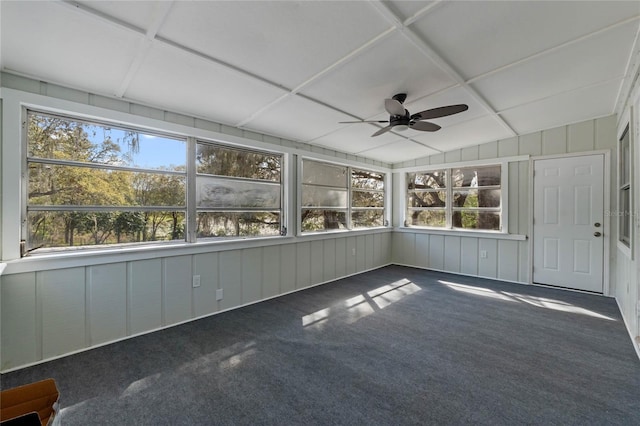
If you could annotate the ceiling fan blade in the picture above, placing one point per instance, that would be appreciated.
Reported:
(393, 107)
(363, 121)
(439, 112)
(381, 131)
(425, 126)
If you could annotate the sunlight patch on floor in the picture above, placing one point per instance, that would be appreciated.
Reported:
(540, 302)
(357, 307)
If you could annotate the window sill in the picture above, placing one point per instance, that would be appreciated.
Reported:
(343, 232)
(463, 233)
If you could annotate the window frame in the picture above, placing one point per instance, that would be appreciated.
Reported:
(449, 209)
(624, 187)
(349, 190)
(189, 209)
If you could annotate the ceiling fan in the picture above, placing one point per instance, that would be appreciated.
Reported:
(402, 120)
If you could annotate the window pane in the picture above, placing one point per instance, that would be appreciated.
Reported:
(625, 217)
(427, 180)
(226, 224)
(324, 174)
(60, 138)
(476, 220)
(367, 218)
(53, 185)
(69, 229)
(223, 161)
(427, 199)
(363, 179)
(232, 193)
(314, 196)
(426, 218)
(323, 220)
(367, 199)
(477, 198)
(476, 176)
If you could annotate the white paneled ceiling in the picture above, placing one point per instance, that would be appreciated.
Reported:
(294, 69)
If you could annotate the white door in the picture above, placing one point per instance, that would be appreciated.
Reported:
(568, 213)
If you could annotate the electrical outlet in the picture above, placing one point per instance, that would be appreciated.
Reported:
(196, 281)
(483, 254)
(219, 294)
(353, 251)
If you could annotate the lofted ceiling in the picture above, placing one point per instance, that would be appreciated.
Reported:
(295, 69)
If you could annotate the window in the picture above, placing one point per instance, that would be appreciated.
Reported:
(624, 190)
(335, 197)
(455, 198)
(238, 192)
(92, 183)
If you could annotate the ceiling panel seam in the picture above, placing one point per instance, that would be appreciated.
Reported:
(564, 92)
(552, 49)
(102, 16)
(145, 46)
(432, 55)
(295, 91)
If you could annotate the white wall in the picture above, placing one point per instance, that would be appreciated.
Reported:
(52, 312)
(507, 259)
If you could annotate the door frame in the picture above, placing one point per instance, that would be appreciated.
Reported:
(606, 225)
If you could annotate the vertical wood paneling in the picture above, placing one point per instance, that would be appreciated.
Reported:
(452, 253)
(452, 156)
(508, 147)
(19, 333)
(351, 257)
(489, 150)
(317, 261)
(488, 267)
(303, 265)
(530, 144)
(204, 297)
(508, 260)
(145, 295)
(360, 253)
(177, 289)
(397, 248)
(408, 249)
(288, 268)
(107, 288)
(554, 141)
(230, 272)
(329, 260)
(341, 257)
(386, 244)
(251, 275)
(270, 271)
(377, 249)
(581, 136)
(469, 153)
(469, 256)
(369, 249)
(61, 293)
(523, 259)
(605, 133)
(436, 252)
(422, 250)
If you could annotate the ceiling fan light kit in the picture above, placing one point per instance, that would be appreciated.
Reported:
(400, 118)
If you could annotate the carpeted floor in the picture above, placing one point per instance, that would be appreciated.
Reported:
(390, 347)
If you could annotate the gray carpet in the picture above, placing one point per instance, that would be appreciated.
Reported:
(432, 348)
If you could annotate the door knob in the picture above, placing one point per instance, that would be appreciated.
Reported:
(597, 234)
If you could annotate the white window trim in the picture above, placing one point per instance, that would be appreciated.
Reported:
(448, 230)
(349, 165)
(627, 127)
